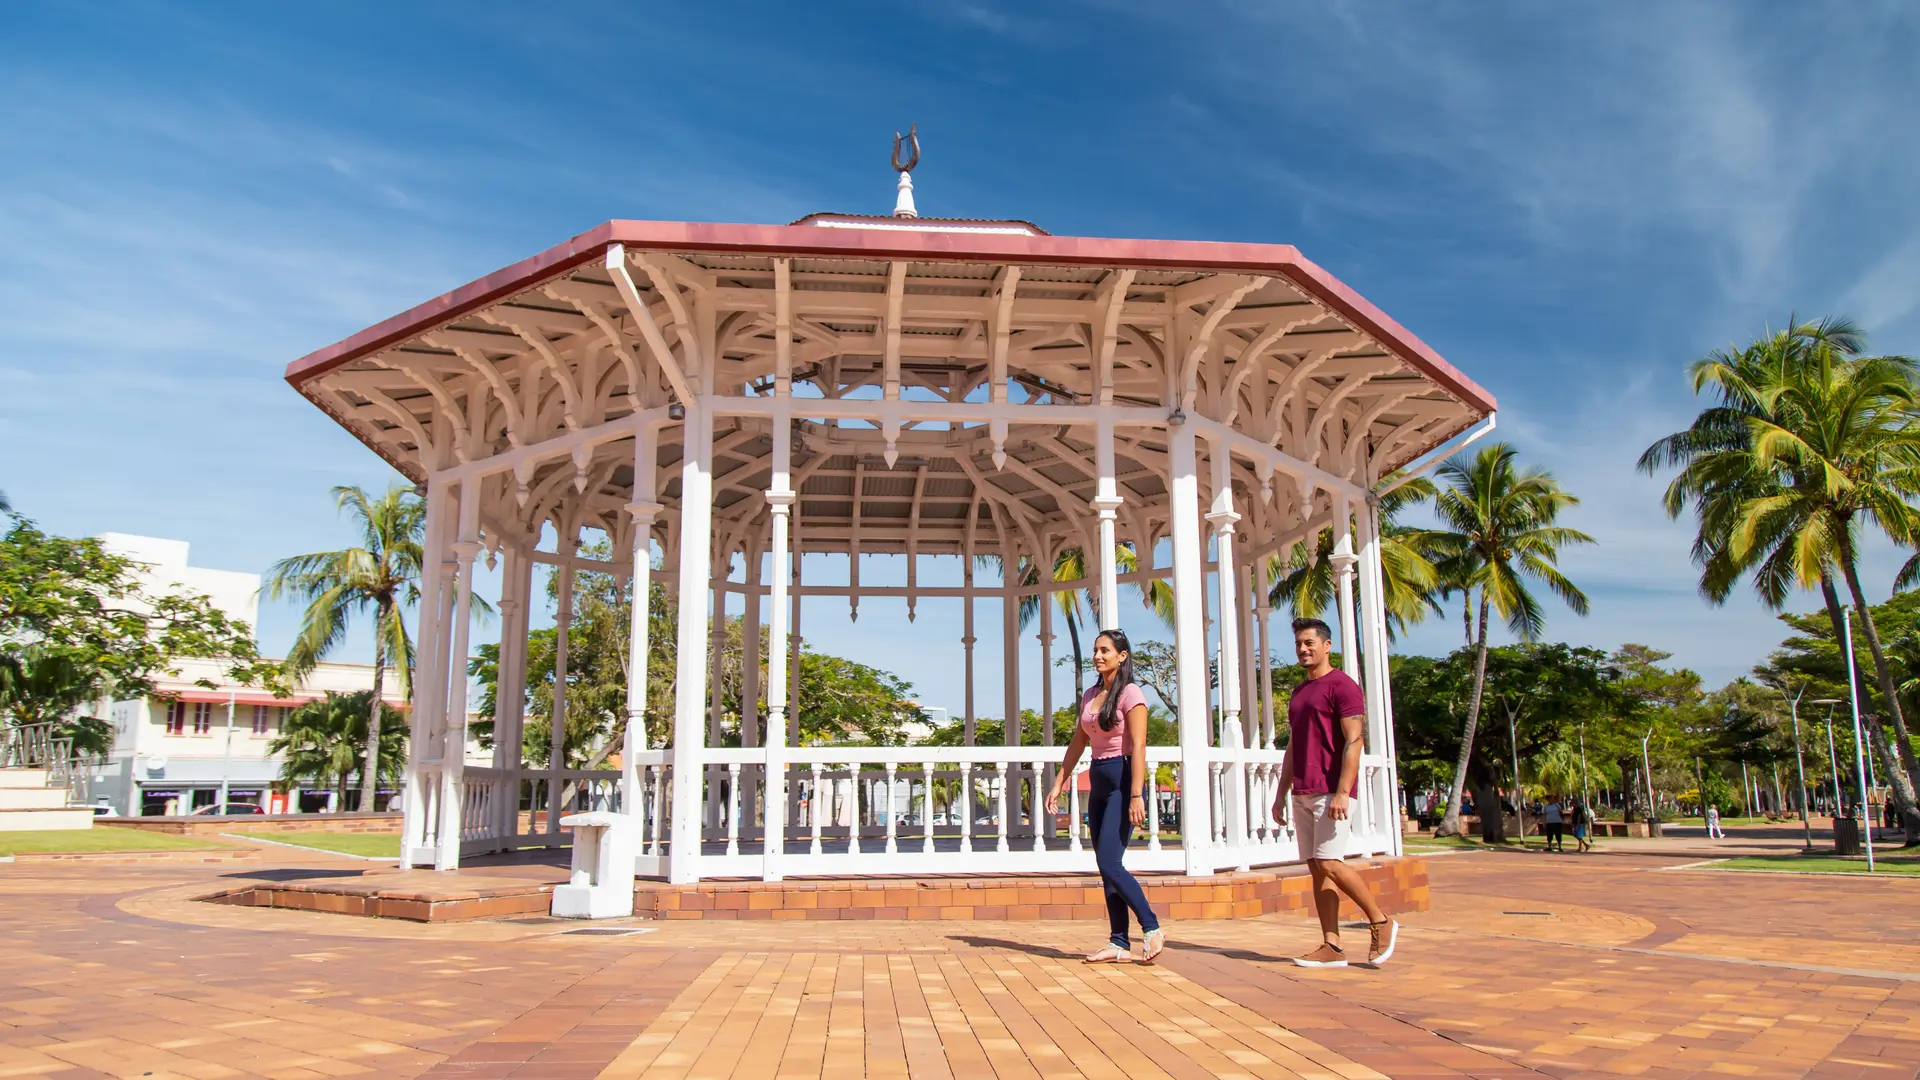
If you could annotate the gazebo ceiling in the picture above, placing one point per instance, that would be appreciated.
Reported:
(534, 369)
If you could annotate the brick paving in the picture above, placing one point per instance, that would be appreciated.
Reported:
(1527, 965)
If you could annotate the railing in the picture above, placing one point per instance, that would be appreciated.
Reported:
(36, 746)
(902, 810)
(953, 810)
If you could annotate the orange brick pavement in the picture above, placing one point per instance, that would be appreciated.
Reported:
(1527, 965)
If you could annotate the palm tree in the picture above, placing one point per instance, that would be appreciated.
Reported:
(1075, 604)
(1306, 583)
(382, 574)
(1809, 440)
(1499, 531)
(320, 741)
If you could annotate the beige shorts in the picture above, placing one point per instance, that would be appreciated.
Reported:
(1320, 836)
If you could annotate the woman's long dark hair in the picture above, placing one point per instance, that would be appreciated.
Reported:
(1123, 678)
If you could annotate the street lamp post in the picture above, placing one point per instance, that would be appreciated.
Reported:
(1646, 769)
(1800, 767)
(1859, 756)
(1833, 760)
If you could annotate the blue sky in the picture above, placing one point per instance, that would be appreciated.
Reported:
(1569, 202)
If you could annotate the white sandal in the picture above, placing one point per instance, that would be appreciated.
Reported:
(1156, 943)
(1109, 955)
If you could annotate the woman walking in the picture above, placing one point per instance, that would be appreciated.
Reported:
(1113, 726)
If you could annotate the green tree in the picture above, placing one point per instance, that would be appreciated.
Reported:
(320, 742)
(1305, 582)
(1498, 531)
(381, 575)
(1810, 441)
(78, 624)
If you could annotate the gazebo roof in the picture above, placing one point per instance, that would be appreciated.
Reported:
(543, 352)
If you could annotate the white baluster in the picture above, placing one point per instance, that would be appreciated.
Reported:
(893, 799)
(1042, 823)
(1153, 810)
(1216, 782)
(1073, 811)
(966, 808)
(659, 804)
(814, 808)
(853, 811)
(733, 809)
(1002, 767)
(926, 808)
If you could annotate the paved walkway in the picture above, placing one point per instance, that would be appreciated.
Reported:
(1528, 965)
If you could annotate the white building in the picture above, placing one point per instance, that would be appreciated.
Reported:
(174, 750)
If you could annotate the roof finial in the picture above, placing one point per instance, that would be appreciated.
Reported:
(903, 205)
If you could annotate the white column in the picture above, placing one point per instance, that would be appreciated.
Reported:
(1379, 688)
(1046, 662)
(509, 710)
(750, 647)
(1232, 737)
(721, 568)
(1263, 614)
(419, 820)
(1107, 503)
(568, 545)
(1343, 569)
(780, 498)
(1190, 651)
(453, 754)
(1010, 644)
(639, 649)
(690, 686)
(967, 641)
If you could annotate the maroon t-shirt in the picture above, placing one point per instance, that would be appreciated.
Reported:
(1313, 718)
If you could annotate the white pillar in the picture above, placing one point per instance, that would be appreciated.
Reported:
(1107, 503)
(639, 649)
(1379, 689)
(967, 640)
(568, 546)
(1190, 652)
(780, 498)
(1046, 661)
(1343, 564)
(1263, 613)
(690, 686)
(509, 710)
(419, 824)
(1010, 645)
(1232, 737)
(453, 752)
(750, 648)
(720, 570)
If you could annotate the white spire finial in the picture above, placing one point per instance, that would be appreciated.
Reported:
(903, 204)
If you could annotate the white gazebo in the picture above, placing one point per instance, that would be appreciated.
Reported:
(731, 395)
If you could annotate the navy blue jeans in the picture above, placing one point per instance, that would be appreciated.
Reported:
(1109, 794)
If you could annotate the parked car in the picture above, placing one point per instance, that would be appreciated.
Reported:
(103, 810)
(230, 808)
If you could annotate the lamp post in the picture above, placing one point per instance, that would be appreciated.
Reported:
(1800, 766)
(1833, 760)
(1646, 769)
(226, 757)
(1859, 754)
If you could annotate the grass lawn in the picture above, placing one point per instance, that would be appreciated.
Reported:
(104, 838)
(1883, 864)
(372, 845)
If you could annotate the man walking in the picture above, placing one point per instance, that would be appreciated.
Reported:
(1713, 824)
(1319, 778)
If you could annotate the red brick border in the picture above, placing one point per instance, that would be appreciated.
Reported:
(1400, 885)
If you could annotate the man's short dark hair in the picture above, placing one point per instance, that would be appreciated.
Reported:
(1315, 625)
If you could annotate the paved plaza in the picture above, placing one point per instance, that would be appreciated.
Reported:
(1527, 965)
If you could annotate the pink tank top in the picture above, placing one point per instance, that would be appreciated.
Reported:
(1105, 744)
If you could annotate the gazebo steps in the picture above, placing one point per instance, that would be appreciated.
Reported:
(426, 896)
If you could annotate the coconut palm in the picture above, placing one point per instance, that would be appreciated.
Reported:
(380, 575)
(319, 742)
(1810, 440)
(1499, 531)
(1305, 583)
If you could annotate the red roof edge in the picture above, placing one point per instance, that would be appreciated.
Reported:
(1281, 260)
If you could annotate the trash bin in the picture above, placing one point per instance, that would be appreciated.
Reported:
(1846, 836)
